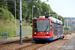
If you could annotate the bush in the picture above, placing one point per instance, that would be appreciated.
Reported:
(6, 15)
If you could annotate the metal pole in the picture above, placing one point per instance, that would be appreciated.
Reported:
(49, 12)
(32, 12)
(45, 13)
(18, 31)
(57, 16)
(11, 31)
(65, 33)
(61, 27)
(57, 26)
(20, 21)
(6, 35)
(47, 0)
(15, 17)
(67, 26)
(24, 30)
(37, 12)
(64, 26)
(6, 32)
(7, 29)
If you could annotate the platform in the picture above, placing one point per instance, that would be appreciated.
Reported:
(70, 45)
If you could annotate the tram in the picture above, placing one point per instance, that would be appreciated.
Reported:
(46, 28)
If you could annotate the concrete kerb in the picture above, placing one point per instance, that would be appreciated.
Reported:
(66, 44)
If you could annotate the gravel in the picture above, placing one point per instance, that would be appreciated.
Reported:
(56, 45)
(51, 46)
(14, 46)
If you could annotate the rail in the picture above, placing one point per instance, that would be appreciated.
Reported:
(3, 35)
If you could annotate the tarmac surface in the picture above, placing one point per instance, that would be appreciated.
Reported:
(70, 45)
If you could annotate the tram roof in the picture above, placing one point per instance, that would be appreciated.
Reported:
(56, 20)
(53, 19)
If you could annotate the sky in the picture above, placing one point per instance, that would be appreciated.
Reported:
(65, 8)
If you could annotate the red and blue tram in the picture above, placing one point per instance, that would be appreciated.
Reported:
(46, 28)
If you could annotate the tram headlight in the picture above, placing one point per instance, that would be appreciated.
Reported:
(35, 33)
(47, 33)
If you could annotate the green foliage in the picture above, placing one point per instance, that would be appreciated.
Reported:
(46, 8)
(6, 15)
(66, 28)
(11, 7)
(24, 10)
(27, 9)
(61, 18)
(3, 4)
(36, 12)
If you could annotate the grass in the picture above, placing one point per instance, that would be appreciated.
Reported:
(7, 28)
(57, 49)
(23, 23)
(65, 42)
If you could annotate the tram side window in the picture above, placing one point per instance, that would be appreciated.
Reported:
(53, 25)
(59, 28)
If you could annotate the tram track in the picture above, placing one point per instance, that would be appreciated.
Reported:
(27, 45)
(31, 47)
(40, 46)
(34, 46)
(15, 42)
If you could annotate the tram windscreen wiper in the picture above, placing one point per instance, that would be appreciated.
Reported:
(46, 28)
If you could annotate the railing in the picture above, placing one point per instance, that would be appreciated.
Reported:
(3, 35)
(25, 31)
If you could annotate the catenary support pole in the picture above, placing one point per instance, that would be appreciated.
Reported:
(32, 12)
(49, 12)
(20, 21)
(67, 26)
(15, 17)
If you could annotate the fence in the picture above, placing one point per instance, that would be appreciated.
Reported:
(9, 27)
(11, 31)
(3, 35)
(25, 31)
(66, 31)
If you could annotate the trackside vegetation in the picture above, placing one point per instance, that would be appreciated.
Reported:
(7, 15)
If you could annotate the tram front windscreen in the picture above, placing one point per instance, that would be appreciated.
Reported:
(41, 25)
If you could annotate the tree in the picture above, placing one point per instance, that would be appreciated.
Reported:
(24, 10)
(11, 7)
(3, 4)
(6, 15)
(46, 8)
